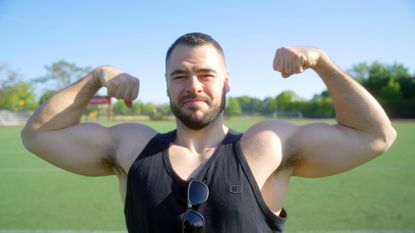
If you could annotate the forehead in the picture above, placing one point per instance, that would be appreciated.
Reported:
(189, 57)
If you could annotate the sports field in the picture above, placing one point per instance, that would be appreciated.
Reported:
(376, 197)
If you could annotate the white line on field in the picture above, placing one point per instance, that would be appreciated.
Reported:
(9, 170)
(72, 231)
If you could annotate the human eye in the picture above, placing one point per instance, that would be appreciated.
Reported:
(178, 77)
(207, 75)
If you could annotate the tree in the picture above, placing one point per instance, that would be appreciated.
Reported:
(359, 72)
(119, 108)
(323, 94)
(149, 109)
(322, 107)
(392, 85)
(163, 109)
(405, 79)
(233, 108)
(61, 74)
(18, 96)
(391, 91)
(286, 101)
(269, 106)
(15, 94)
(250, 105)
(45, 96)
(137, 107)
(386, 82)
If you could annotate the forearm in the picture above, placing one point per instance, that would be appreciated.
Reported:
(355, 107)
(64, 108)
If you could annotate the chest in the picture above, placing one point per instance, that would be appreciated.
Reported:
(230, 168)
(262, 160)
(233, 204)
(186, 164)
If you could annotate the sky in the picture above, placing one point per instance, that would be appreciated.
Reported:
(134, 36)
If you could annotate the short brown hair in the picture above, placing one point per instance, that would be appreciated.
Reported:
(194, 39)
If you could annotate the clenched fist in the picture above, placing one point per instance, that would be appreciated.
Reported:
(291, 61)
(119, 84)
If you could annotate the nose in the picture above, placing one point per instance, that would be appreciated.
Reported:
(194, 85)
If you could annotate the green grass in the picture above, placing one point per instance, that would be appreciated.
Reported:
(377, 195)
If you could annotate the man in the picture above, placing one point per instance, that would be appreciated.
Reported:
(204, 175)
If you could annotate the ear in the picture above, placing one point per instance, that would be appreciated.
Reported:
(167, 85)
(227, 82)
(166, 78)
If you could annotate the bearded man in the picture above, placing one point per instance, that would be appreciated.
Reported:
(203, 176)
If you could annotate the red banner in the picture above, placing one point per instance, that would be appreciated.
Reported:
(98, 99)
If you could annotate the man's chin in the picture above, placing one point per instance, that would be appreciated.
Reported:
(193, 112)
(197, 117)
(195, 121)
(195, 105)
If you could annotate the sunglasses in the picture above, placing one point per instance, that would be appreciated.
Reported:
(197, 193)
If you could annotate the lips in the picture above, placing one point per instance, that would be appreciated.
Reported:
(193, 99)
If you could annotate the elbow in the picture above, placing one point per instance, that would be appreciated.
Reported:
(391, 137)
(27, 136)
(24, 136)
(386, 139)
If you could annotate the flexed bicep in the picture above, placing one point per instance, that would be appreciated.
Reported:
(323, 149)
(85, 149)
(53, 131)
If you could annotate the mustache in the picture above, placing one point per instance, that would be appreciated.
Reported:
(193, 96)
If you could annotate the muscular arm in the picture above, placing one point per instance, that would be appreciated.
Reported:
(363, 130)
(55, 134)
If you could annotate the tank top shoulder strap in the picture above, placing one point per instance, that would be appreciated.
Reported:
(227, 144)
(158, 143)
(232, 137)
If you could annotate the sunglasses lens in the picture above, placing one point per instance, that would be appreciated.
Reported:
(198, 192)
(193, 222)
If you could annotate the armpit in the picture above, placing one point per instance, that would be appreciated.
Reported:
(110, 164)
(290, 158)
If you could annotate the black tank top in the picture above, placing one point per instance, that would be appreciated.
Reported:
(156, 195)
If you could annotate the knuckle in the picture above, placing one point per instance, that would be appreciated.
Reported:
(136, 81)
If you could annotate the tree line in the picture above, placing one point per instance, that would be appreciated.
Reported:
(392, 85)
(286, 104)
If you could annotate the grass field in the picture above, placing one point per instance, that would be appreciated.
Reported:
(376, 197)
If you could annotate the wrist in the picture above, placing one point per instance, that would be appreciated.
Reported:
(104, 74)
(98, 76)
(322, 61)
(325, 67)
(91, 81)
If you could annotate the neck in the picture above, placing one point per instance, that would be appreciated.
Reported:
(198, 141)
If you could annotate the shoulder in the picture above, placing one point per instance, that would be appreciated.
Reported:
(129, 140)
(132, 129)
(268, 142)
(269, 129)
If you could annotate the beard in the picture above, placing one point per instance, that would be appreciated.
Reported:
(191, 121)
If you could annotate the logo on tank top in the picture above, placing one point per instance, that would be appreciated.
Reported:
(235, 188)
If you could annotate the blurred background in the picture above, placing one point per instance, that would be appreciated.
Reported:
(46, 45)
